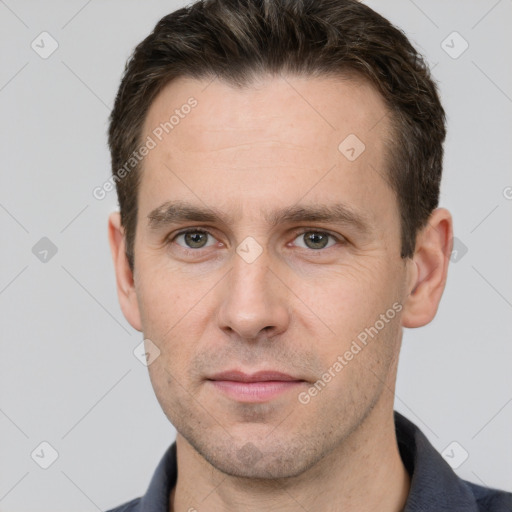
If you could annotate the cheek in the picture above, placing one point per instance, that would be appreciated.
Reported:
(169, 315)
(163, 299)
(359, 345)
(348, 299)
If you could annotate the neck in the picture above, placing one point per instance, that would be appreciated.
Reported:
(365, 473)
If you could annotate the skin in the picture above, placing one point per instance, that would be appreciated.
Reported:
(246, 152)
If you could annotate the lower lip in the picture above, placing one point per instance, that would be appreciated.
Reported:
(255, 391)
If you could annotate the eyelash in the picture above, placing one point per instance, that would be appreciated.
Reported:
(340, 241)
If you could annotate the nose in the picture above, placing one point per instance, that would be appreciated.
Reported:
(255, 301)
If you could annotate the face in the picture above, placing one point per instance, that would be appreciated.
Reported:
(268, 241)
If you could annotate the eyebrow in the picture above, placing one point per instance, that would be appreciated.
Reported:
(173, 212)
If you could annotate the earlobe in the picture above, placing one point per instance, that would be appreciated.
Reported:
(428, 270)
(124, 275)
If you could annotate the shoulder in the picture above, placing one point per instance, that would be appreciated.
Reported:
(130, 506)
(491, 500)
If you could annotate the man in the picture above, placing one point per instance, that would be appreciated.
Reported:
(278, 165)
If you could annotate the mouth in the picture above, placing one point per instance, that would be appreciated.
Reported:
(256, 387)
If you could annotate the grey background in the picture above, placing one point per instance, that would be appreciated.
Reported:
(68, 373)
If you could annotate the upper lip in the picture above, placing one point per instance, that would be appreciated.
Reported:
(262, 376)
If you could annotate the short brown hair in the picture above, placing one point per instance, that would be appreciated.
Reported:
(238, 40)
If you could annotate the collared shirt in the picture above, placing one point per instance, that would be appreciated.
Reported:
(434, 485)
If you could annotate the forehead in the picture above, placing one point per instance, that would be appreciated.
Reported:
(329, 106)
(275, 137)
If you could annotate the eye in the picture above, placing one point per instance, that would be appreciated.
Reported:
(315, 240)
(194, 239)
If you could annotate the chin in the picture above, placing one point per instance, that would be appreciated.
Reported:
(249, 462)
(267, 458)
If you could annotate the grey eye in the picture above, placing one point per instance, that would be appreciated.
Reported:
(315, 240)
(194, 239)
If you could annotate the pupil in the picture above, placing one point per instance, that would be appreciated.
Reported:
(318, 241)
(195, 239)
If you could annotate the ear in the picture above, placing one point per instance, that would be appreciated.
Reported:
(428, 269)
(124, 275)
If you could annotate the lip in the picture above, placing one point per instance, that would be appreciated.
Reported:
(262, 376)
(255, 387)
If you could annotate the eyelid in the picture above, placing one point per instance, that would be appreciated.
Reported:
(172, 237)
(339, 238)
(191, 229)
